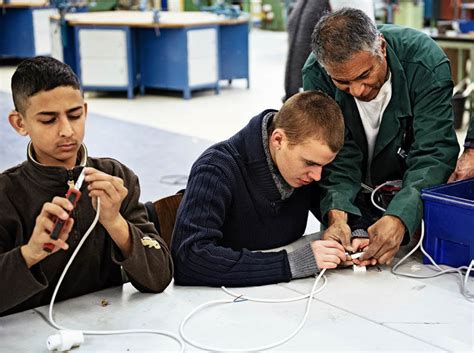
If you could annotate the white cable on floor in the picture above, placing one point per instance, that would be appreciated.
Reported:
(441, 271)
(240, 298)
(99, 332)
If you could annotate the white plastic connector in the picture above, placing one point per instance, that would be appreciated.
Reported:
(356, 255)
(64, 340)
(359, 269)
(396, 183)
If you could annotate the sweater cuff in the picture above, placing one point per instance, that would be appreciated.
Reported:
(302, 262)
(359, 233)
(469, 143)
(33, 275)
(117, 255)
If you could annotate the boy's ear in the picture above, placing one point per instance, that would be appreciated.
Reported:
(16, 121)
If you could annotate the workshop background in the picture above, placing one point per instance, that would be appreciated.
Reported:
(166, 79)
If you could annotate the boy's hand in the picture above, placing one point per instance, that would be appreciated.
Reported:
(58, 208)
(111, 191)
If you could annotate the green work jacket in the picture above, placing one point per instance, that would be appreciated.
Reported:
(470, 130)
(421, 97)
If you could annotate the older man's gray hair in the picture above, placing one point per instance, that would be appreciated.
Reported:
(339, 35)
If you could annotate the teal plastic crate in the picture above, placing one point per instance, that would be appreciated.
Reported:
(448, 212)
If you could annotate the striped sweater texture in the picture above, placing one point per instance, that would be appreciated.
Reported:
(232, 208)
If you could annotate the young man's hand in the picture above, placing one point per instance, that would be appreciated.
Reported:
(385, 237)
(328, 253)
(112, 192)
(58, 208)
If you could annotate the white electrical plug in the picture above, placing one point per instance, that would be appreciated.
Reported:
(359, 269)
(64, 340)
(356, 255)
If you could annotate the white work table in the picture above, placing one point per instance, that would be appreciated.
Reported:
(370, 312)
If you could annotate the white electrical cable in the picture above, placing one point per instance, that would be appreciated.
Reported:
(441, 271)
(264, 300)
(372, 196)
(99, 332)
(240, 298)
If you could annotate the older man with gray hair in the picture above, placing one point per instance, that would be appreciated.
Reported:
(394, 87)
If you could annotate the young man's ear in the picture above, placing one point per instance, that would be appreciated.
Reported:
(16, 121)
(277, 138)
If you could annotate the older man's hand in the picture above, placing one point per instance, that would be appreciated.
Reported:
(338, 229)
(385, 237)
(464, 167)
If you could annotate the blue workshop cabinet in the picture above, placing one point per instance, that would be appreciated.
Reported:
(234, 52)
(183, 59)
(183, 56)
(24, 31)
(63, 43)
(106, 58)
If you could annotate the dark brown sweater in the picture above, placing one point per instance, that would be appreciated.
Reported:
(23, 191)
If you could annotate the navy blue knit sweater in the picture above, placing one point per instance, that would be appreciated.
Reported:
(232, 207)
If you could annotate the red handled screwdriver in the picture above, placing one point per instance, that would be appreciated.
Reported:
(73, 195)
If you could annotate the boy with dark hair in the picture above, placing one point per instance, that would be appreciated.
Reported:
(50, 108)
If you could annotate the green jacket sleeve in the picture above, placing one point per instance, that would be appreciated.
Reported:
(470, 130)
(341, 179)
(434, 151)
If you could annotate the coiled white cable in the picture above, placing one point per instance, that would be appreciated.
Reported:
(459, 270)
(100, 332)
(241, 298)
